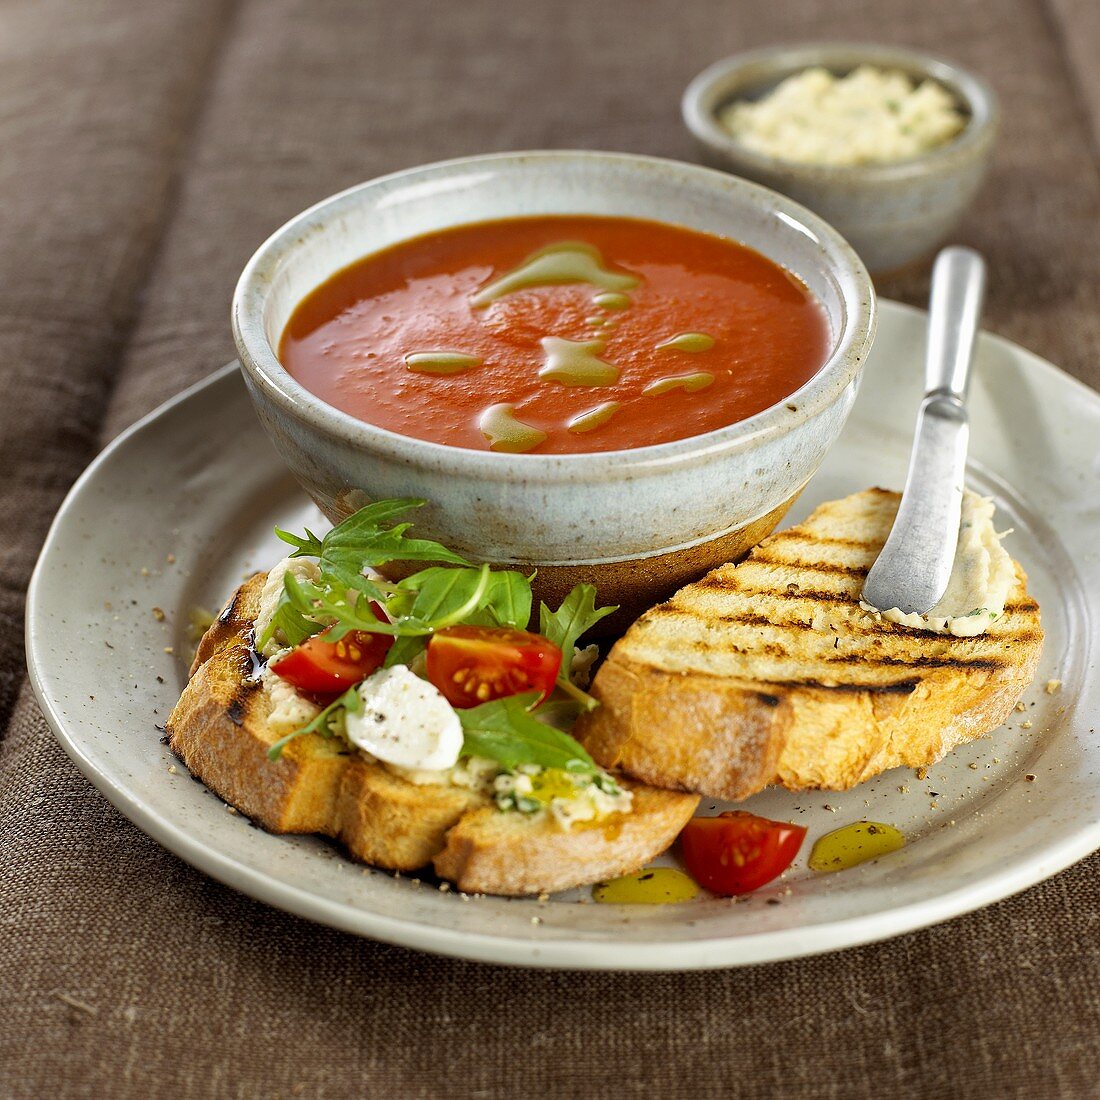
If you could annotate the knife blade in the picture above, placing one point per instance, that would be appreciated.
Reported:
(914, 567)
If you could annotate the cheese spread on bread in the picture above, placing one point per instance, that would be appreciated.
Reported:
(474, 773)
(289, 710)
(567, 797)
(302, 568)
(981, 579)
(564, 796)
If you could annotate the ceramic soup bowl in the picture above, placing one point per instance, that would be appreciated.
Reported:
(637, 523)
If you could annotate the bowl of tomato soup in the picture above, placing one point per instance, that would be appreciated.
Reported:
(605, 367)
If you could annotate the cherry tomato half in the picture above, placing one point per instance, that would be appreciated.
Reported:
(473, 664)
(737, 852)
(320, 667)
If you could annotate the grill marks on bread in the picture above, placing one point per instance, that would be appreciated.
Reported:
(770, 672)
(790, 613)
(221, 729)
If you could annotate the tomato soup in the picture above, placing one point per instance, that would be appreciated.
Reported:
(557, 334)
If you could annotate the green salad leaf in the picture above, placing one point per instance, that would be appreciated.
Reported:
(441, 596)
(351, 702)
(405, 649)
(578, 613)
(338, 609)
(508, 731)
(293, 624)
(508, 598)
(476, 595)
(362, 541)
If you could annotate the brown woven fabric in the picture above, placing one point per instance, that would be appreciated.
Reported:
(146, 150)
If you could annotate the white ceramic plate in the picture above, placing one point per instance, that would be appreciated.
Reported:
(176, 511)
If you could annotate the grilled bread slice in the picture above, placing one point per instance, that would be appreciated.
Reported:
(487, 848)
(769, 672)
(222, 728)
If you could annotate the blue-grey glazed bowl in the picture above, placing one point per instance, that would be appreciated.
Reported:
(637, 523)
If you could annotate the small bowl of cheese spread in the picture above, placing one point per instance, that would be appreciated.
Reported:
(888, 145)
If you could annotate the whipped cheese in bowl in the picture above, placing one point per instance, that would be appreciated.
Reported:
(981, 579)
(869, 116)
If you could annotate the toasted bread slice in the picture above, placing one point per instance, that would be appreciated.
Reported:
(222, 730)
(487, 848)
(769, 671)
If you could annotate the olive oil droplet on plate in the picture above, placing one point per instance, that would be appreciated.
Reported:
(652, 886)
(854, 844)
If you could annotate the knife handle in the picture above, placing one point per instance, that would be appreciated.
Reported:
(958, 287)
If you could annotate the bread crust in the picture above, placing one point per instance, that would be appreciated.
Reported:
(728, 734)
(221, 730)
(493, 853)
(671, 717)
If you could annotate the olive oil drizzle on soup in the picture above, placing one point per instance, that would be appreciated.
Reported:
(557, 334)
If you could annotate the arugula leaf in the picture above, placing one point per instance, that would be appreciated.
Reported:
(296, 627)
(508, 598)
(361, 540)
(331, 605)
(475, 595)
(308, 547)
(508, 731)
(577, 614)
(351, 702)
(445, 596)
(405, 649)
(561, 711)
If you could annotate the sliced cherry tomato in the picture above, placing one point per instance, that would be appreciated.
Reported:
(324, 668)
(737, 852)
(473, 664)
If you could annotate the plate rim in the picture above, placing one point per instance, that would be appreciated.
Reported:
(653, 955)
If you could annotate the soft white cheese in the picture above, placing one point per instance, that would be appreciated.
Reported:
(981, 579)
(475, 773)
(305, 569)
(580, 671)
(869, 116)
(289, 710)
(404, 720)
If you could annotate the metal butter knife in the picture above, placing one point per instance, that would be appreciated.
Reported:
(914, 567)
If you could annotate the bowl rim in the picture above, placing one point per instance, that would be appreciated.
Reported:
(842, 367)
(699, 106)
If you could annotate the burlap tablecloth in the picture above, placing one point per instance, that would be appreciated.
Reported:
(145, 150)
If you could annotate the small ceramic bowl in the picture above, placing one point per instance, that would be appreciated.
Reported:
(893, 214)
(637, 523)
